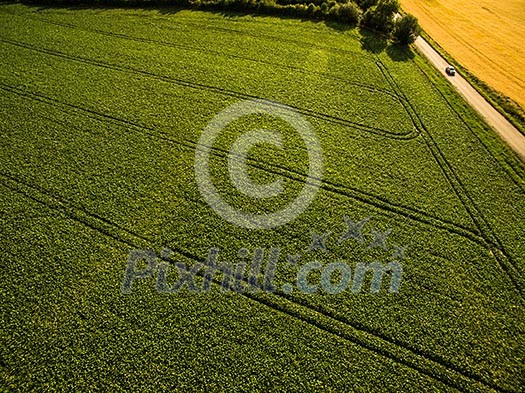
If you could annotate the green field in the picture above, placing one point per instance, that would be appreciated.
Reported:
(101, 113)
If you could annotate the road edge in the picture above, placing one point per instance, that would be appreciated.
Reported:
(492, 116)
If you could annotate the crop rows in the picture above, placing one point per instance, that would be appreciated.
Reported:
(428, 364)
(188, 254)
(92, 147)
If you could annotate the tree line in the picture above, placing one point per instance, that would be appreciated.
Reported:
(379, 15)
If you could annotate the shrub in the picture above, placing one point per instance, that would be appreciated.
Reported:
(300, 10)
(381, 16)
(406, 29)
(324, 9)
(340, 10)
(348, 13)
(366, 4)
(313, 10)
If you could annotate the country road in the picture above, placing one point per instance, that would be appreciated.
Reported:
(494, 119)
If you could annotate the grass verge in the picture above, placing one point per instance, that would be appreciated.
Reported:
(510, 109)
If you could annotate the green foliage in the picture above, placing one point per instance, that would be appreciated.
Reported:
(366, 4)
(348, 13)
(101, 110)
(380, 17)
(313, 9)
(378, 14)
(406, 29)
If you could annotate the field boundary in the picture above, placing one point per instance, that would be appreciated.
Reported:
(426, 363)
(508, 108)
(503, 259)
(413, 133)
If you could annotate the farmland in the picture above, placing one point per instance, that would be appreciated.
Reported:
(101, 114)
(484, 36)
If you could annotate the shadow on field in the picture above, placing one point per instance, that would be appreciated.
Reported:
(399, 53)
(371, 41)
(376, 43)
(170, 7)
(342, 27)
(171, 10)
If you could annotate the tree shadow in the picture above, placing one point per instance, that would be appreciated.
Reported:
(398, 52)
(372, 41)
(76, 5)
(375, 42)
(168, 7)
(338, 26)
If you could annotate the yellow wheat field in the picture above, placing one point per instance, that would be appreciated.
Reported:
(485, 36)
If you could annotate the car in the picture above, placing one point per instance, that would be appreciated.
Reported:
(450, 70)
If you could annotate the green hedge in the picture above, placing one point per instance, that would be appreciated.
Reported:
(337, 10)
(379, 15)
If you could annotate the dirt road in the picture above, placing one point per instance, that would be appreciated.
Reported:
(494, 119)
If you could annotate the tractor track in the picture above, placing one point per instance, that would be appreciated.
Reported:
(503, 259)
(372, 89)
(375, 201)
(413, 133)
(421, 361)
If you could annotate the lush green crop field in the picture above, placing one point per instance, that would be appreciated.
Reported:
(101, 112)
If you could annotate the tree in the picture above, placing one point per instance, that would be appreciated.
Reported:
(406, 29)
(381, 16)
(348, 13)
(366, 4)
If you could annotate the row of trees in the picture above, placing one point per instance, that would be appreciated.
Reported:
(343, 11)
(379, 15)
(383, 16)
